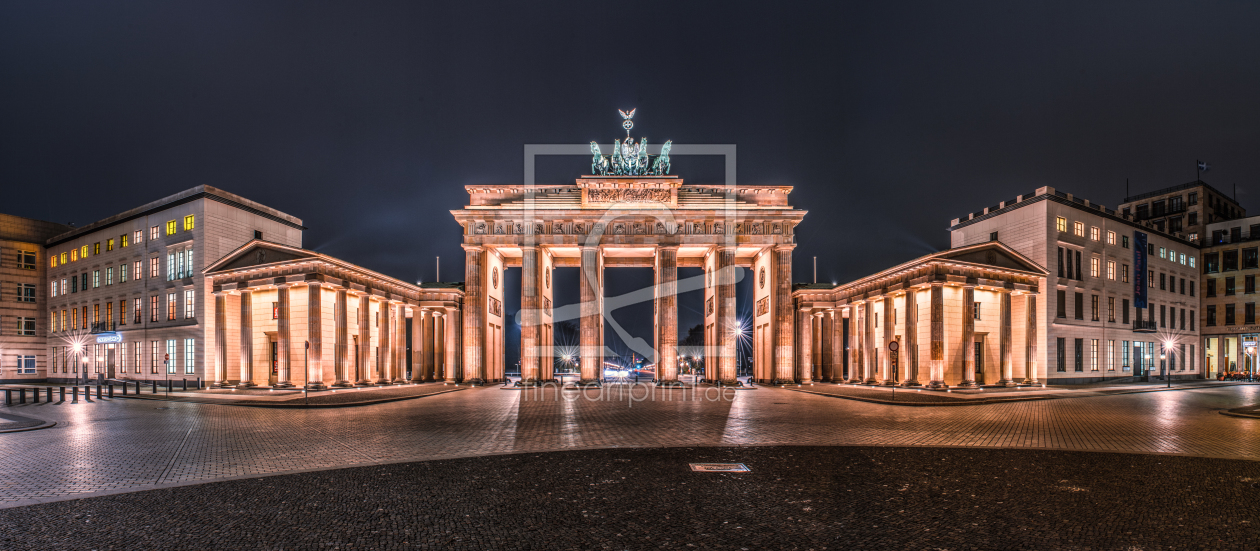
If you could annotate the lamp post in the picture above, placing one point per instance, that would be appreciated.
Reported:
(1163, 365)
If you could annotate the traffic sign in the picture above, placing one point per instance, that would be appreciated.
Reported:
(894, 345)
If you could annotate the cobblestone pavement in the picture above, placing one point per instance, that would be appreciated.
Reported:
(794, 498)
(125, 445)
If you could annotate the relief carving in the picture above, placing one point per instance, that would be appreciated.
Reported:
(627, 196)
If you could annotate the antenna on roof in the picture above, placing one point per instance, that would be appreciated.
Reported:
(437, 271)
(1126, 189)
(815, 269)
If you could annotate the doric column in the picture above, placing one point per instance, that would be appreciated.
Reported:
(426, 346)
(474, 335)
(890, 323)
(384, 354)
(783, 313)
(938, 336)
(417, 345)
(315, 337)
(837, 346)
(910, 348)
(439, 348)
(968, 336)
(451, 352)
(805, 345)
(855, 344)
(667, 334)
(827, 334)
(870, 365)
(819, 349)
(220, 339)
(1004, 339)
(1030, 338)
(529, 315)
(398, 375)
(341, 344)
(726, 323)
(247, 339)
(590, 357)
(284, 338)
(363, 375)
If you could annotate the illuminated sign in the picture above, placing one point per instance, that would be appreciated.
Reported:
(108, 338)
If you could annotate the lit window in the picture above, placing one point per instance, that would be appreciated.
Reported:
(153, 267)
(1111, 270)
(54, 261)
(170, 306)
(109, 245)
(26, 327)
(96, 248)
(153, 308)
(123, 239)
(1183, 258)
(170, 229)
(122, 273)
(1078, 228)
(188, 223)
(1191, 262)
(1111, 238)
(153, 233)
(96, 279)
(54, 288)
(63, 258)
(83, 251)
(74, 255)
(1093, 351)
(135, 270)
(172, 355)
(1060, 223)
(109, 275)
(1094, 233)
(26, 292)
(190, 355)
(189, 310)
(1163, 253)
(1094, 266)
(137, 236)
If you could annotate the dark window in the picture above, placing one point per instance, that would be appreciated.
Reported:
(1192, 320)
(1158, 208)
(1175, 204)
(1193, 198)
(1124, 241)
(1211, 263)
(1111, 309)
(1249, 284)
(1126, 211)
(1124, 311)
(1069, 264)
(1143, 212)
(1080, 355)
(1229, 286)
(1229, 314)
(1218, 237)
(1078, 265)
(1150, 249)
(74, 284)
(1211, 316)
(1174, 224)
(993, 236)
(257, 234)
(1254, 231)
(1235, 234)
(1061, 262)
(1193, 219)
(1210, 284)
(1163, 312)
(1183, 318)
(1191, 288)
(1062, 304)
(84, 280)
(1079, 313)
(1229, 261)
(1163, 281)
(1062, 350)
(1250, 259)
(1093, 307)
(1249, 313)
(1183, 285)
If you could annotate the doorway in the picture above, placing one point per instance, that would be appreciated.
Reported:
(275, 364)
(979, 359)
(110, 357)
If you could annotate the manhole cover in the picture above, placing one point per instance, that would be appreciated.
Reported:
(720, 467)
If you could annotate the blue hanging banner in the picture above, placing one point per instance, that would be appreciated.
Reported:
(1139, 270)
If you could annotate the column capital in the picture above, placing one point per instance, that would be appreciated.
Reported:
(785, 246)
(818, 314)
(668, 246)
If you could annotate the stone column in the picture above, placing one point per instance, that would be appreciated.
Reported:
(938, 336)
(1004, 339)
(474, 333)
(870, 365)
(364, 372)
(837, 346)
(590, 357)
(398, 375)
(855, 344)
(315, 337)
(667, 334)
(247, 339)
(417, 345)
(890, 324)
(827, 334)
(1030, 338)
(427, 346)
(439, 348)
(726, 323)
(782, 324)
(968, 336)
(910, 347)
(384, 354)
(450, 359)
(819, 349)
(220, 340)
(805, 345)
(284, 338)
(530, 304)
(341, 344)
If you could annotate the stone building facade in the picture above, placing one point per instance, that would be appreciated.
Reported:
(24, 297)
(1183, 210)
(1231, 264)
(1095, 330)
(127, 295)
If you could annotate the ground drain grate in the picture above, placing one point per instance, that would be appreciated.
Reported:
(719, 467)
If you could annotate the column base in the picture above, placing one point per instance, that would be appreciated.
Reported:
(911, 382)
(246, 384)
(853, 382)
(669, 384)
(783, 382)
(1007, 383)
(220, 385)
(1030, 382)
(316, 386)
(967, 384)
(381, 382)
(478, 381)
(937, 385)
(343, 384)
(283, 385)
(399, 382)
(870, 381)
(888, 382)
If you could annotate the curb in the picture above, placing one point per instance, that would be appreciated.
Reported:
(296, 406)
(46, 425)
(1228, 413)
(987, 401)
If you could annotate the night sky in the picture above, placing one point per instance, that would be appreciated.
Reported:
(366, 119)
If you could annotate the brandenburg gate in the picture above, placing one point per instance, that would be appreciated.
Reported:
(628, 213)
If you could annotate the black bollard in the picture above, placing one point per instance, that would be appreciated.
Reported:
(170, 385)
(74, 393)
(111, 390)
(63, 394)
(154, 387)
(35, 391)
(21, 395)
(199, 387)
(185, 384)
(87, 393)
(98, 392)
(49, 395)
(124, 388)
(8, 396)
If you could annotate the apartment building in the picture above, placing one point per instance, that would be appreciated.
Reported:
(23, 299)
(1231, 263)
(127, 298)
(1120, 298)
(1182, 210)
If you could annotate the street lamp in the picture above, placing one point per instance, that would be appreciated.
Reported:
(1163, 353)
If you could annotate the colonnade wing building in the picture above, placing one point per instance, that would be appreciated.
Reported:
(628, 221)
